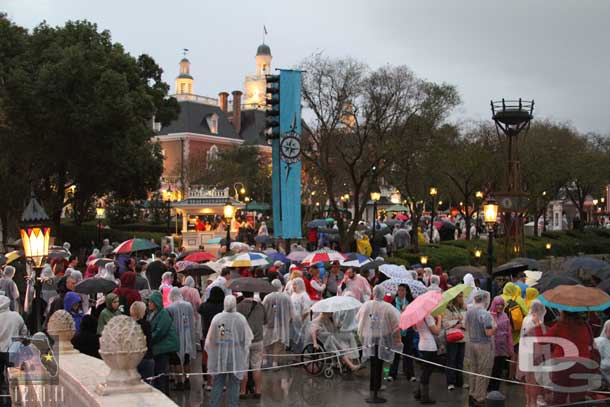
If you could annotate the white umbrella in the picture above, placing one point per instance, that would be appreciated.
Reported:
(217, 265)
(394, 271)
(391, 286)
(337, 303)
(239, 247)
(532, 277)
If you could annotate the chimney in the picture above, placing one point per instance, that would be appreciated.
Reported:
(237, 110)
(223, 101)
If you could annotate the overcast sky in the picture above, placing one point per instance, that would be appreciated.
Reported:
(555, 51)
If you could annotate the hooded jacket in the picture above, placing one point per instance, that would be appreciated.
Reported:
(70, 300)
(127, 291)
(11, 324)
(86, 340)
(107, 314)
(164, 336)
(513, 292)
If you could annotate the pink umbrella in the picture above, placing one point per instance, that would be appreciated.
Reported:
(402, 217)
(297, 255)
(420, 308)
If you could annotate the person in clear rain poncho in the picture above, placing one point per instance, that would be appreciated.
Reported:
(326, 330)
(276, 333)
(378, 330)
(301, 303)
(228, 347)
(182, 314)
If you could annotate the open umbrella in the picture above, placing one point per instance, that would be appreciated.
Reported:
(575, 298)
(317, 223)
(419, 309)
(371, 265)
(239, 247)
(322, 256)
(297, 255)
(355, 260)
(550, 280)
(391, 286)
(12, 256)
(586, 264)
(402, 217)
(95, 285)
(277, 256)
(450, 295)
(251, 284)
(510, 268)
(397, 208)
(200, 257)
(182, 264)
(460, 271)
(250, 259)
(58, 254)
(337, 303)
(216, 240)
(217, 265)
(135, 245)
(532, 277)
(394, 271)
(197, 270)
(532, 264)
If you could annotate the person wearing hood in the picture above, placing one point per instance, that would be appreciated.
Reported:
(191, 295)
(111, 310)
(533, 325)
(73, 306)
(219, 282)
(228, 346)
(276, 332)
(379, 332)
(166, 287)
(182, 314)
(11, 325)
(8, 286)
(86, 340)
(435, 284)
(531, 294)
(602, 343)
(208, 310)
(503, 341)
(127, 292)
(512, 293)
(164, 339)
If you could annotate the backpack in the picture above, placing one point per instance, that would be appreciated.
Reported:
(515, 314)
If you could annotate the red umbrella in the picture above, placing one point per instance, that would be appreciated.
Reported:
(200, 257)
(322, 256)
(402, 217)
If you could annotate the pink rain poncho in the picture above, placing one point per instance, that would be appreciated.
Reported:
(378, 325)
(278, 308)
(191, 295)
(228, 341)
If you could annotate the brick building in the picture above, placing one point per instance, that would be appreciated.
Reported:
(206, 125)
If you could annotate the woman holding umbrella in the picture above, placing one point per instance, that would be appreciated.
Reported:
(402, 299)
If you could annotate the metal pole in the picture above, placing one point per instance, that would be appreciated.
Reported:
(432, 220)
(490, 249)
(38, 309)
(169, 217)
(99, 232)
(374, 217)
(228, 235)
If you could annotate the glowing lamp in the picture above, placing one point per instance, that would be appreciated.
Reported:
(229, 210)
(548, 246)
(375, 194)
(433, 191)
(477, 253)
(35, 233)
(490, 212)
(423, 260)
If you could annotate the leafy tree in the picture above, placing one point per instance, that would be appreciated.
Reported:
(81, 109)
(245, 164)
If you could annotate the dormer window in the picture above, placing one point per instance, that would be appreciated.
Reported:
(213, 123)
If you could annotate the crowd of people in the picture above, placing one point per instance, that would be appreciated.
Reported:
(233, 334)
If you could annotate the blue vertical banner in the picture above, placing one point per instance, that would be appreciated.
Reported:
(286, 159)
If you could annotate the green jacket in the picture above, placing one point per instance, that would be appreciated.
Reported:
(164, 336)
(106, 314)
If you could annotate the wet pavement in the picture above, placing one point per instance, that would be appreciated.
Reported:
(295, 388)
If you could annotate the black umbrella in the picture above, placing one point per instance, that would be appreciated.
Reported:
(198, 270)
(317, 223)
(460, 271)
(590, 265)
(60, 254)
(371, 265)
(533, 264)
(251, 284)
(95, 285)
(510, 268)
(551, 280)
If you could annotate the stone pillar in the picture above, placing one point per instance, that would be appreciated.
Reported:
(122, 347)
(61, 325)
(184, 222)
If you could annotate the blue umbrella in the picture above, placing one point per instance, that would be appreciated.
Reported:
(317, 223)
(355, 260)
(591, 265)
(216, 240)
(277, 256)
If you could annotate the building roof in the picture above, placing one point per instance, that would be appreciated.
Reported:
(252, 126)
(263, 49)
(193, 119)
(185, 75)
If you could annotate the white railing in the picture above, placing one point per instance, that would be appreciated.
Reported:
(204, 100)
(206, 192)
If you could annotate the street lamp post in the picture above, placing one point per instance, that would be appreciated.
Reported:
(433, 193)
(490, 214)
(478, 197)
(168, 202)
(375, 197)
(35, 236)
(229, 213)
(242, 190)
(100, 214)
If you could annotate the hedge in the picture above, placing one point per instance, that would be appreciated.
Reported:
(461, 252)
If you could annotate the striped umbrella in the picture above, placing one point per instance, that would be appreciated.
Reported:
(250, 259)
(322, 256)
(355, 260)
(135, 245)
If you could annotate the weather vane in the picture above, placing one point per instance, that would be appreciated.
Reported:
(185, 51)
